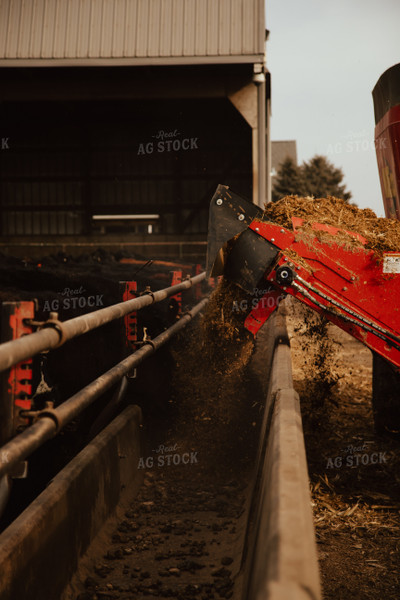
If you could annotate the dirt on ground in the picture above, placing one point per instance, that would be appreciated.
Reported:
(380, 234)
(354, 474)
(181, 537)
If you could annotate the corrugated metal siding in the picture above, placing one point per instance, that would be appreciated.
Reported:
(130, 29)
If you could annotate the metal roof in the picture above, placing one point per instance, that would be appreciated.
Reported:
(130, 32)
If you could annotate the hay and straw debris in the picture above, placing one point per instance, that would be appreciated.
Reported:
(382, 234)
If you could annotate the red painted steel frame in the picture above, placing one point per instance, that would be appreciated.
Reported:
(176, 279)
(352, 277)
(19, 378)
(130, 320)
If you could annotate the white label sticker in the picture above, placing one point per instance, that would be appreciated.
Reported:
(391, 263)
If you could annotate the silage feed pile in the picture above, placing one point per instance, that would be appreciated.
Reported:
(382, 235)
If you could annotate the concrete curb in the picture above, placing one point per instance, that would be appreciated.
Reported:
(282, 561)
(40, 550)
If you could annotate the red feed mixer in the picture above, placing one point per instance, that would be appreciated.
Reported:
(350, 287)
(346, 282)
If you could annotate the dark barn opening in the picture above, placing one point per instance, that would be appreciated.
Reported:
(70, 161)
(121, 157)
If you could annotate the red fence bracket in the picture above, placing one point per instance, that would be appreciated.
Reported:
(214, 281)
(129, 291)
(16, 382)
(177, 278)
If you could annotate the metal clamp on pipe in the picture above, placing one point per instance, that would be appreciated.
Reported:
(186, 313)
(52, 322)
(148, 342)
(148, 292)
(33, 415)
(56, 324)
(51, 413)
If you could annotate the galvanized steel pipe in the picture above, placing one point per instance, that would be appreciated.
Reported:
(52, 420)
(11, 353)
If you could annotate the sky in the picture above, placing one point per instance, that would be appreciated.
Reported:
(325, 58)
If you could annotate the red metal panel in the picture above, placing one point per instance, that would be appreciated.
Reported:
(177, 278)
(214, 281)
(129, 292)
(351, 287)
(17, 389)
(20, 376)
(265, 307)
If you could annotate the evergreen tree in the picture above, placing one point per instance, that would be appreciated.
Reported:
(288, 180)
(323, 179)
(317, 177)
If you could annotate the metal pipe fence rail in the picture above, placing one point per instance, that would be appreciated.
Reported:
(281, 553)
(51, 421)
(279, 560)
(54, 332)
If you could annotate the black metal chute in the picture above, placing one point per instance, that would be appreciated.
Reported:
(234, 250)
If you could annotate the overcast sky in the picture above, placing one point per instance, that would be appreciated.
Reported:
(325, 57)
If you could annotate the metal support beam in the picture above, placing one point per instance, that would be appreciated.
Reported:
(259, 81)
(268, 143)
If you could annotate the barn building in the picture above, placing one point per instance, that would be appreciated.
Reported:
(118, 118)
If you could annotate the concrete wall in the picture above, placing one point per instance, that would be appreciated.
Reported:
(40, 550)
(281, 549)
